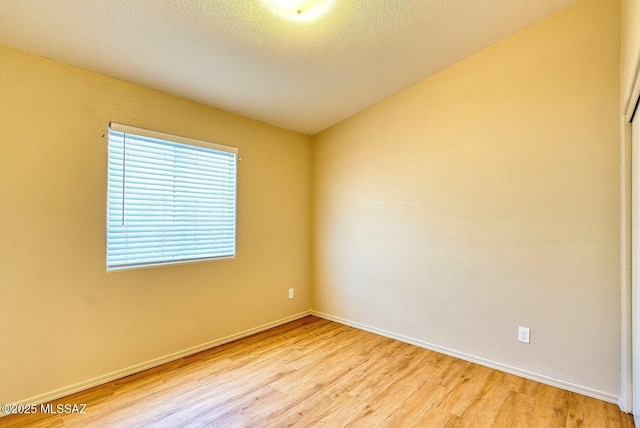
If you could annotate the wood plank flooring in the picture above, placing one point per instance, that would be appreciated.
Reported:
(317, 373)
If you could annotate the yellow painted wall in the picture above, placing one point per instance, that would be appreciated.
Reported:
(480, 199)
(64, 318)
(483, 198)
(630, 51)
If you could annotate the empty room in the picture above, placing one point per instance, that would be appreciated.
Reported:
(328, 213)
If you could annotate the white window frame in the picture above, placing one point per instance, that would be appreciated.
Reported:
(123, 237)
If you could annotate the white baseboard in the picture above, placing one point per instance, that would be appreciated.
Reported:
(625, 406)
(62, 392)
(610, 398)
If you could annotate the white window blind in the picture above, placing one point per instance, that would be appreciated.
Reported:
(170, 199)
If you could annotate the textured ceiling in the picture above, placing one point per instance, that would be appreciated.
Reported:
(241, 57)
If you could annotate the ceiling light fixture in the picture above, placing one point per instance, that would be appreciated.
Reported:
(299, 10)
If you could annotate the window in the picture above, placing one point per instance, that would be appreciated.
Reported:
(170, 199)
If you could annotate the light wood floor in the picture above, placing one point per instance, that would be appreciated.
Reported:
(317, 373)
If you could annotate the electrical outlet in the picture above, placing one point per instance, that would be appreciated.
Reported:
(291, 293)
(523, 334)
